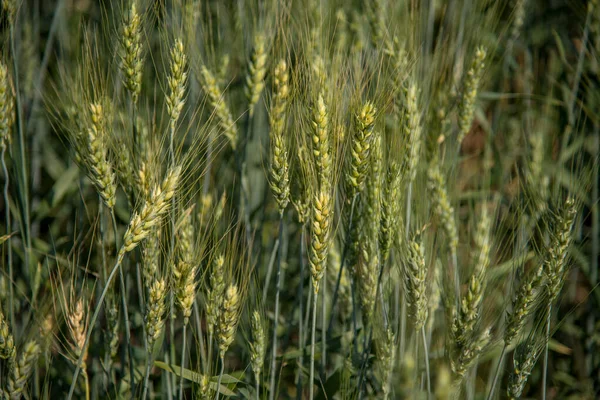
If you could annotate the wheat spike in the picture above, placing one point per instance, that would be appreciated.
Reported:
(442, 208)
(6, 107)
(411, 131)
(228, 319)
(22, 370)
(390, 205)
(155, 311)
(280, 184)
(320, 140)
(176, 82)
(257, 69)
(257, 345)
(361, 148)
(100, 170)
(131, 52)
(152, 212)
(524, 360)
(555, 263)
(185, 287)
(7, 343)
(215, 96)
(216, 293)
(321, 221)
(470, 88)
(415, 284)
(522, 305)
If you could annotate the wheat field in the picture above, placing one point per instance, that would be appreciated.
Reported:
(299, 199)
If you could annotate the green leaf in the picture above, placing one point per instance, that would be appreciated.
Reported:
(331, 386)
(197, 377)
(64, 184)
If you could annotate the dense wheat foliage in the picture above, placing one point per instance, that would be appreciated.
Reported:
(299, 199)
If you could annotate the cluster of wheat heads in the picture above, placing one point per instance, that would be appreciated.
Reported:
(296, 199)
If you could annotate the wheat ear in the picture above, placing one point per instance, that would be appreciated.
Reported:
(471, 82)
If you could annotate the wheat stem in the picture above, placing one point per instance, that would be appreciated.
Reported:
(342, 262)
(312, 346)
(426, 355)
(92, 322)
(301, 312)
(147, 373)
(11, 312)
(490, 395)
(276, 318)
(547, 340)
(270, 267)
(182, 361)
(220, 376)
(22, 171)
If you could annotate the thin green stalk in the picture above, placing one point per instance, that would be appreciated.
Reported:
(456, 278)
(342, 262)
(199, 333)
(11, 307)
(497, 373)
(86, 382)
(147, 373)
(301, 313)
(272, 260)
(168, 378)
(241, 165)
(220, 377)
(171, 344)
(182, 362)
(92, 322)
(22, 171)
(402, 329)
(171, 256)
(312, 347)
(545, 370)
(127, 329)
(595, 238)
(426, 355)
(324, 327)
(124, 305)
(276, 318)
(102, 236)
(407, 235)
(134, 132)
